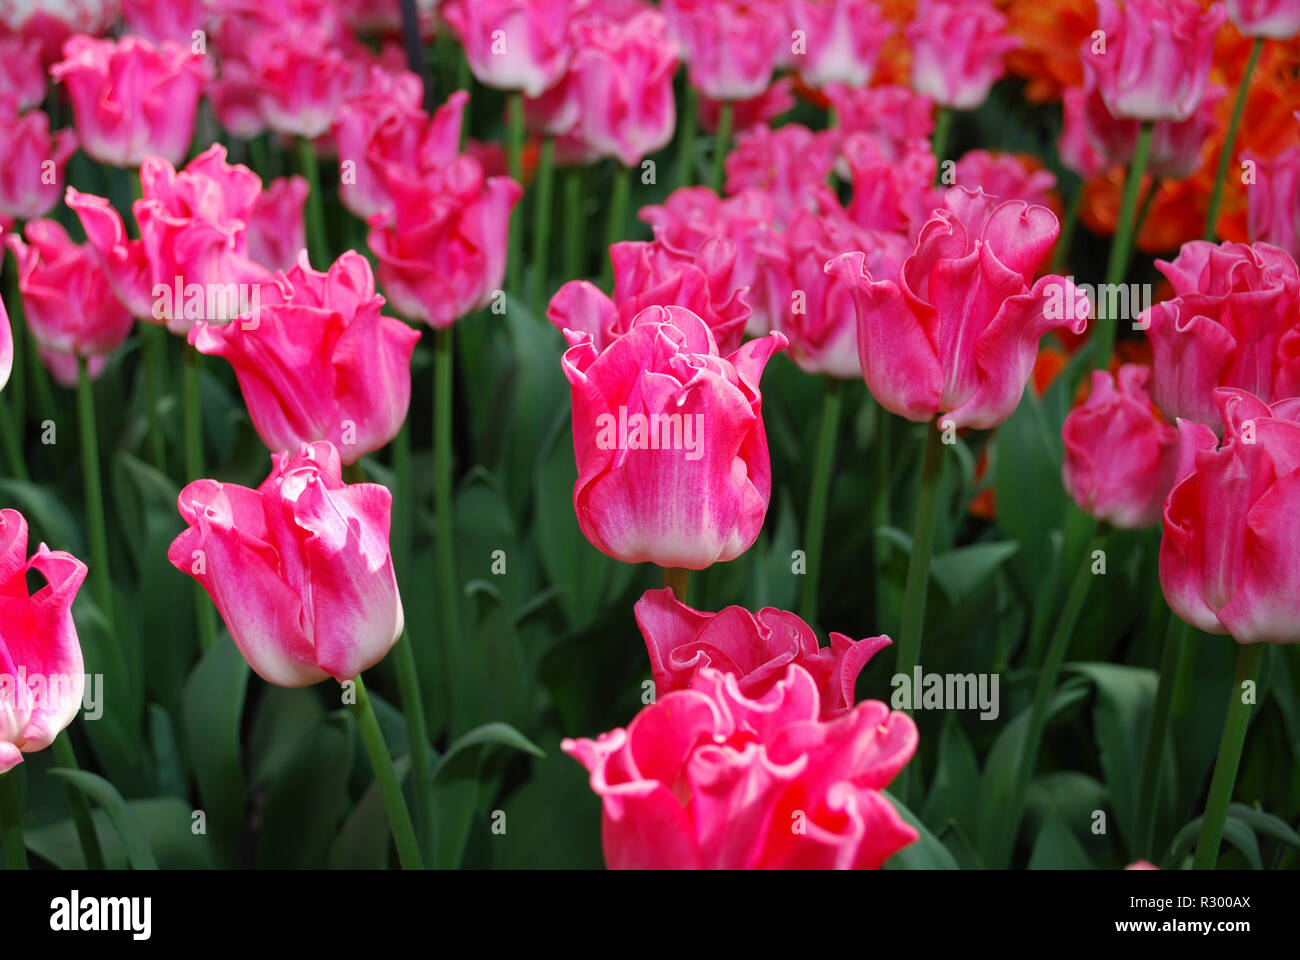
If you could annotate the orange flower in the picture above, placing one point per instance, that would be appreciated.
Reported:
(1051, 34)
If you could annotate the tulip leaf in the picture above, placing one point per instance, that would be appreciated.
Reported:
(213, 707)
(554, 818)
(363, 842)
(307, 796)
(166, 823)
(956, 780)
(1026, 468)
(138, 854)
(928, 853)
(1056, 848)
(1236, 831)
(962, 571)
(1265, 823)
(48, 519)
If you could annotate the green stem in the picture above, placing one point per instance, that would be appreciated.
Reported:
(1066, 238)
(1249, 659)
(880, 508)
(444, 491)
(153, 347)
(617, 217)
(1043, 696)
(687, 123)
(10, 440)
(942, 133)
(257, 153)
(399, 818)
(11, 822)
(542, 225)
(678, 580)
(100, 582)
(309, 167)
(194, 470)
(1148, 791)
(1122, 247)
(1230, 139)
(66, 757)
(575, 225)
(918, 567)
(721, 144)
(815, 527)
(515, 241)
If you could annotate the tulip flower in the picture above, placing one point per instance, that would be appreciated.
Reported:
(302, 76)
(791, 165)
(52, 23)
(958, 333)
(957, 50)
(730, 46)
(383, 123)
(893, 112)
(756, 647)
(1120, 454)
(70, 308)
(1153, 61)
(710, 778)
(276, 230)
(299, 568)
(130, 99)
(1232, 322)
(318, 361)
(668, 435)
(42, 676)
(1227, 557)
(1278, 19)
(6, 346)
(22, 75)
(513, 44)
(1006, 176)
(842, 39)
(159, 21)
(32, 163)
(892, 181)
(1273, 202)
(758, 111)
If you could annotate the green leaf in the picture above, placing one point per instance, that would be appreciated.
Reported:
(306, 798)
(138, 854)
(926, 854)
(1264, 823)
(1235, 831)
(956, 780)
(213, 705)
(166, 824)
(1056, 848)
(964, 570)
(363, 842)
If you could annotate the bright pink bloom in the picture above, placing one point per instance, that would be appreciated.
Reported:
(1141, 865)
(51, 22)
(26, 147)
(1273, 202)
(1279, 19)
(161, 20)
(277, 232)
(1227, 557)
(790, 164)
(302, 76)
(383, 123)
(758, 111)
(1233, 322)
(668, 434)
(318, 361)
(70, 308)
(1120, 454)
(123, 260)
(42, 675)
(22, 75)
(690, 216)
(755, 647)
(709, 778)
(513, 44)
(1005, 176)
(132, 100)
(6, 346)
(892, 112)
(957, 50)
(958, 333)
(842, 39)
(299, 568)
(893, 182)
(651, 274)
(730, 46)
(1155, 60)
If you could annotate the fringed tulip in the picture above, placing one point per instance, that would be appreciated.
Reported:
(668, 434)
(299, 568)
(1232, 521)
(709, 778)
(22, 75)
(32, 163)
(791, 165)
(756, 647)
(1120, 454)
(1006, 176)
(892, 182)
(893, 112)
(302, 76)
(1273, 201)
(383, 123)
(513, 44)
(730, 46)
(693, 215)
(958, 333)
(42, 675)
(277, 232)
(957, 50)
(842, 39)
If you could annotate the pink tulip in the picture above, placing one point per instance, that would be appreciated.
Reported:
(382, 123)
(730, 46)
(668, 435)
(791, 165)
(513, 44)
(1005, 176)
(758, 111)
(22, 75)
(302, 77)
(318, 361)
(756, 647)
(651, 274)
(892, 112)
(1227, 557)
(959, 332)
(122, 259)
(70, 308)
(6, 346)
(709, 778)
(1279, 19)
(892, 181)
(1120, 454)
(51, 22)
(843, 38)
(32, 163)
(276, 229)
(1154, 61)
(1273, 201)
(957, 50)
(1233, 322)
(814, 309)
(131, 100)
(159, 21)
(299, 568)
(42, 675)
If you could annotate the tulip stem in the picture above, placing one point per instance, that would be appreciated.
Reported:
(309, 167)
(617, 216)
(686, 125)
(100, 583)
(1171, 664)
(918, 567)
(399, 817)
(9, 437)
(678, 580)
(575, 225)
(1122, 247)
(153, 354)
(1249, 659)
(542, 224)
(942, 133)
(445, 511)
(1043, 695)
(1229, 140)
(66, 757)
(815, 528)
(203, 608)
(721, 144)
(880, 508)
(514, 250)
(11, 822)
(1066, 238)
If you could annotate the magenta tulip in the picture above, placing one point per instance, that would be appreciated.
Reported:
(842, 39)
(1279, 19)
(277, 232)
(730, 47)
(32, 163)
(513, 44)
(957, 50)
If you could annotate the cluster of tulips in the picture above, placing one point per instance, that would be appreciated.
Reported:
(851, 247)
